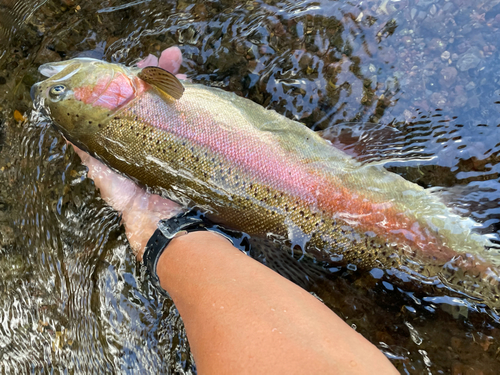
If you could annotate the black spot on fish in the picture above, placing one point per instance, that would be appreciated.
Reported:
(116, 118)
(90, 122)
(67, 114)
(99, 125)
(77, 116)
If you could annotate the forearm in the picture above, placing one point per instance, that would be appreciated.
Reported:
(241, 317)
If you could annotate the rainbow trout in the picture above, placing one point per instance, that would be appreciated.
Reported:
(259, 172)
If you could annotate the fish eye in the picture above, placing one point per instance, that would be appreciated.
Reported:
(56, 91)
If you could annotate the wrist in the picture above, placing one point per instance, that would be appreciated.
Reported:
(187, 222)
(186, 256)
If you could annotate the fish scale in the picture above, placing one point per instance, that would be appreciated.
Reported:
(259, 172)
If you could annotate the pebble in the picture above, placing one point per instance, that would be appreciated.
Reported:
(413, 13)
(421, 15)
(407, 40)
(470, 86)
(445, 56)
(438, 99)
(469, 59)
(449, 75)
(437, 44)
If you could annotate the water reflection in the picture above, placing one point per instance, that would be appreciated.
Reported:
(424, 72)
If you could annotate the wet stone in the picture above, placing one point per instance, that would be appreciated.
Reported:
(449, 74)
(445, 55)
(460, 97)
(469, 59)
(421, 15)
(438, 99)
(470, 86)
(413, 13)
(437, 44)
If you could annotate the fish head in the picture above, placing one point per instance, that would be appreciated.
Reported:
(82, 95)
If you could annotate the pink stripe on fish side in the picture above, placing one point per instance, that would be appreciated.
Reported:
(261, 155)
(111, 93)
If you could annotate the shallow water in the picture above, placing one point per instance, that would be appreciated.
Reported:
(73, 297)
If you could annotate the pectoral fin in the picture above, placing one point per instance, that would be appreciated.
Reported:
(164, 81)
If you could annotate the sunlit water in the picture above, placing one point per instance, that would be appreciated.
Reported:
(417, 82)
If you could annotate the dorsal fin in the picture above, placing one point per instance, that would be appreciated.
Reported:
(163, 80)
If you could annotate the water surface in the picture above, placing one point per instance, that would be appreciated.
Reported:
(411, 83)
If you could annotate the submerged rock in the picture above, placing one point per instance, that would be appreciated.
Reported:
(469, 59)
(449, 75)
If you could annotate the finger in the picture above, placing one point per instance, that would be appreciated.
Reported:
(151, 60)
(171, 59)
(116, 190)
